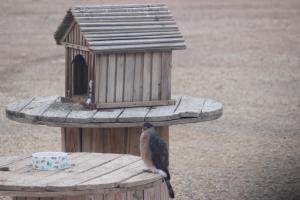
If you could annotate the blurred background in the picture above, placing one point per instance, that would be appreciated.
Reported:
(245, 54)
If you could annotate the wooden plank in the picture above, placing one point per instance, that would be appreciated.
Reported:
(189, 107)
(97, 77)
(7, 160)
(156, 76)
(135, 195)
(85, 165)
(135, 41)
(119, 6)
(114, 178)
(16, 107)
(57, 112)
(119, 9)
(73, 140)
(120, 77)
(140, 47)
(153, 193)
(107, 115)
(140, 179)
(163, 113)
(37, 107)
(80, 116)
(166, 36)
(81, 180)
(129, 77)
(141, 18)
(115, 196)
(122, 35)
(147, 76)
(133, 114)
(103, 79)
(123, 13)
(126, 23)
(92, 140)
(111, 78)
(166, 68)
(164, 195)
(114, 140)
(133, 140)
(136, 104)
(211, 109)
(138, 77)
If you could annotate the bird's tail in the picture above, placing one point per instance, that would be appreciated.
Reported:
(170, 189)
(169, 186)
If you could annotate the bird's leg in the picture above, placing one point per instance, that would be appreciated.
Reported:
(148, 170)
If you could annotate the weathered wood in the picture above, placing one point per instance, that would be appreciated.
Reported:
(100, 38)
(184, 111)
(120, 77)
(125, 18)
(111, 24)
(72, 139)
(138, 78)
(156, 76)
(133, 139)
(130, 35)
(107, 115)
(147, 76)
(80, 116)
(129, 77)
(102, 79)
(134, 41)
(91, 176)
(129, 104)
(37, 107)
(57, 112)
(166, 67)
(111, 78)
(211, 108)
(133, 114)
(190, 107)
(15, 108)
(163, 113)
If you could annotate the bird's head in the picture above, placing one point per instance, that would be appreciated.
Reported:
(147, 126)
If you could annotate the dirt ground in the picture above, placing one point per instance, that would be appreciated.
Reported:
(245, 54)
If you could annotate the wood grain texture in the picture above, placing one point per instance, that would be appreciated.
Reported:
(186, 110)
(166, 69)
(156, 76)
(120, 77)
(129, 77)
(138, 77)
(111, 78)
(147, 76)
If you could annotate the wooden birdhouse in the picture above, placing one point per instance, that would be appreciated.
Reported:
(119, 56)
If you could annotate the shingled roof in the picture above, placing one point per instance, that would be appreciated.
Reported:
(124, 27)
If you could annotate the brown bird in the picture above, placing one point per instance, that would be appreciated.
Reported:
(154, 153)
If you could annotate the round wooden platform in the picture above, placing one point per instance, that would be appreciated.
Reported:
(90, 174)
(57, 111)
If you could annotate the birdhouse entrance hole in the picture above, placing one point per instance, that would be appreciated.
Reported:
(80, 75)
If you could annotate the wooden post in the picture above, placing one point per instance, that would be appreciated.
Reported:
(106, 140)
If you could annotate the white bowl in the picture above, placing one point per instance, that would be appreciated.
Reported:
(50, 160)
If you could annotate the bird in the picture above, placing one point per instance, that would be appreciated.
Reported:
(155, 154)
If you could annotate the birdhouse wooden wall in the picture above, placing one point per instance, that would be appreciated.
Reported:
(79, 64)
(142, 78)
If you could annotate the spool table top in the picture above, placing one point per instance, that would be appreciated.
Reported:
(57, 111)
(89, 173)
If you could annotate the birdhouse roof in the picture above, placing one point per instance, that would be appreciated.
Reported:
(123, 27)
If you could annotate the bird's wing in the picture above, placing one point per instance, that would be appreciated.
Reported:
(159, 152)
